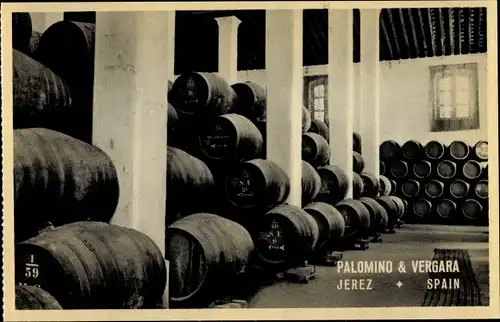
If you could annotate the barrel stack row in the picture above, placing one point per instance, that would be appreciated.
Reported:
(445, 184)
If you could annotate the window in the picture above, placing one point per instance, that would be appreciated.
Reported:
(316, 96)
(454, 98)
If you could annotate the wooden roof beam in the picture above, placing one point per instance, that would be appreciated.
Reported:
(386, 33)
(414, 33)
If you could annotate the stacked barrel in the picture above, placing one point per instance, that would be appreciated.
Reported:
(445, 184)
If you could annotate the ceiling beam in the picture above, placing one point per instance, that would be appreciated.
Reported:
(468, 30)
(393, 28)
(385, 32)
(422, 25)
(405, 32)
(414, 32)
(441, 32)
(481, 21)
(432, 31)
(356, 35)
(451, 32)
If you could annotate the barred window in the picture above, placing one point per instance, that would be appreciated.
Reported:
(316, 96)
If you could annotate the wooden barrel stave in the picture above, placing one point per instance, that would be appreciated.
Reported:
(311, 183)
(384, 185)
(331, 224)
(357, 185)
(371, 185)
(382, 168)
(358, 162)
(378, 215)
(306, 119)
(357, 219)
(356, 142)
(251, 100)
(315, 149)
(333, 184)
(34, 298)
(320, 127)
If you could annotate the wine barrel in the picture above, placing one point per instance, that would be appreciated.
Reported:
(358, 162)
(410, 188)
(480, 151)
(412, 150)
(206, 94)
(257, 183)
(446, 169)
(334, 184)
(311, 183)
(472, 170)
(357, 218)
(481, 189)
(319, 127)
(286, 236)
(422, 169)
(446, 209)
(381, 168)
(378, 215)
(398, 169)
(21, 30)
(401, 208)
(422, 208)
(250, 100)
(306, 119)
(315, 149)
(434, 150)
(34, 298)
(390, 149)
(384, 185)
(371, 185)
(394, 187)
(471, 209)
(231, 137)
(356, 142)
(331, 224)
(434, 189)
(41, 98)
(458, 150)
(94, 265)
(391, 209)
(357, 185)
(459, 189)
(205, 252)
(60, 179)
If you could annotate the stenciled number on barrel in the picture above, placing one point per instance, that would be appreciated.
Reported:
(31, 271)
(273, 238)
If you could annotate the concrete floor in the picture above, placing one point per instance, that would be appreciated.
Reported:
(411, 242)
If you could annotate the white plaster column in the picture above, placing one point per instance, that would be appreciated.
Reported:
(41, 21)
(285, 78)
(228, 48)
(340, 90)
(370, 88)
(171, 47)
(130, 112)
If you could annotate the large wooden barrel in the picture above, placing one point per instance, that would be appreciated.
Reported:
(205, 252)
(286, 236)
(250, 100)
(311, 183)
(434, 189)
(94, 265)
(412, 150)
(319, 127)
(371, 185)
(401, 208)
(356, 142)
(446, 169)
(384, 186)
(391, 209)
(459, 189)
(480, 151)
(331, 224)
(481, 189)
(21, 30)
(382, 168)
(257, 184)
(357, 218)
(60, 179)
(378, 215)
(410, 188)
(446, 209)
(434, 150)
(34, 298)
(306, 119)
(315, 149)
(357, 185)
(334, 184)
(207, 94)
(458, 150)
(472, 170)
(422, 169)
(41, 98)
(471, 209)
(358, 162)
(422, 208)
(231, 137)
(398, 169)
(390, 149)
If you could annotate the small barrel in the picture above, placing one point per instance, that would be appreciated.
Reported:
(357, 185)
(306, 119)
(378, 215)
(400, 205)
(480, 151)
(459, 189)
(251, 100)
(94, 265)
(311, 183)
(410, 188)
(422, 208)
(21, 30)
(205, 252)
(472, 170)
(381, 168)
(356, 216)
(286, 236)
(356, 142)
(446, 169)
(434, 189)
(371, 185)
(390, 207)
(334, 184)
(471, 209)
(60, 179)
(231, 137)
(390, 149)
(394, 187)
(358, 162)
(206, 94)
(481, 189)
(434, 150)
(398, 169)
(257, 183)
(422, 169)
(330, 222)
(315, 149)
(446, 209)
(458, 150)
(412, 150)
(319, 127)
(384, 186)
(34, 298)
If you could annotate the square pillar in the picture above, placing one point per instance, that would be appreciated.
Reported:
(340, 90)
(130, 112)
(228, 48)
(171, 47)
(285, 78)
(41, 21)
(369, 88)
